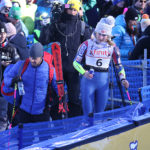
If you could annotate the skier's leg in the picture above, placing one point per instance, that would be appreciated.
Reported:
(87, 95)
(102, 90)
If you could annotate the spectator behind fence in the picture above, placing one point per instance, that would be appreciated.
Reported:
(139, 5)
(18, 40)
(91, 12)
(103, 6)
(36, 78)
(96, 54)
(5, 6)
(8, 55)
(28, 15)
(117, 8)
(69, 32)
(15, 18)
(147, 8)
(144, 41)
(125, 32)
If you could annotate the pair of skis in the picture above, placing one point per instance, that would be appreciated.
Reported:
(56, 52)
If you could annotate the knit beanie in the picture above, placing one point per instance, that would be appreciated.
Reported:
(76, 4)
(2, 27)
(105, 25)
(145, 22)
(15, 12)
(131, 14)
(36, 50)
(5, 3)
(22, 3)
(11, 29)
(117, 1)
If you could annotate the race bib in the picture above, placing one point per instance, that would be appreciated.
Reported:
(99, 58)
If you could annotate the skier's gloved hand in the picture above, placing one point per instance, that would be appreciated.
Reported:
(15, 80)
(88, 75)
(125, 83)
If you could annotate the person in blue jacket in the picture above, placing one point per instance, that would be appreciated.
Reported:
(35, 80)
(125, 32)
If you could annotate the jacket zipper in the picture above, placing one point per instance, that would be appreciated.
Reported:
(33, 90)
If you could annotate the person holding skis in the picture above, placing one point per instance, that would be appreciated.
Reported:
(38, 75)
(96, 53)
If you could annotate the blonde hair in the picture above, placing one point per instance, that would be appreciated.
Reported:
(110, 42)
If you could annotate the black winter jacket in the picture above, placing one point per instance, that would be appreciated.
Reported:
(19, 41)
(68, 33)
(7, 53)
(142, 43)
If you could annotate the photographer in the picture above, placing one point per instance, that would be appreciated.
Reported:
(67, 31)
(8, 55)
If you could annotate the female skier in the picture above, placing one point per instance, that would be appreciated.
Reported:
(96, 53)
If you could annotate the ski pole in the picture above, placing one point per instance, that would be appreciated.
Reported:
(13, 112)
(128, 96)
(119, 85)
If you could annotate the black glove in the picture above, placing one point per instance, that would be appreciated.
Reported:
(15, 80)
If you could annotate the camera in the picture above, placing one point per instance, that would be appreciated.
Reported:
(57, 9)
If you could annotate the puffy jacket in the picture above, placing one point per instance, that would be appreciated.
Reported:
(122, 39)
(35, 80)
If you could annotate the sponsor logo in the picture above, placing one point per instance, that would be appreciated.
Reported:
(133, 145)
(100, 52)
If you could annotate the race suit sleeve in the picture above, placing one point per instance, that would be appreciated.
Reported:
(79, 57)
(118, 64)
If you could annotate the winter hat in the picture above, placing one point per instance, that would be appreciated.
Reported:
(15, 12)
(11, 29)
(36, 50)
(5, 3)
(131, 14)
(2, 27)
(117, 1)
(105, 25)
(16, 3)
(145, 22)
(136, 1)
(76, 4)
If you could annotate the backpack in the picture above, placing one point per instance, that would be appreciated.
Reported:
(8, 92)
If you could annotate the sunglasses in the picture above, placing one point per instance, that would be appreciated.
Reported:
(142, 1)
(102, 34)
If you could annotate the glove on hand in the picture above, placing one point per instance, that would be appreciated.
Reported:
(15, 80)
